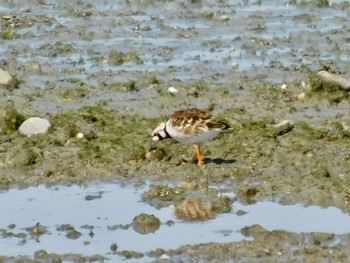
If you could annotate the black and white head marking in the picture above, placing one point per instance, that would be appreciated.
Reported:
(160, 133)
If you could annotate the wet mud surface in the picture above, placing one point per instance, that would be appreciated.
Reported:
(105, 74)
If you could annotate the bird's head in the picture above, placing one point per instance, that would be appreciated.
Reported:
(159, 133)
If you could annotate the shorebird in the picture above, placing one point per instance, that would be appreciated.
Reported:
(190, 127)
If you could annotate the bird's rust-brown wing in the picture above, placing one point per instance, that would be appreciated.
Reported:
(195, 121)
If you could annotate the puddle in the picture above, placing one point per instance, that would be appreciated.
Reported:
(113, 204)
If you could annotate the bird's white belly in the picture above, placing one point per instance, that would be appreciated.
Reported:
(192, 139)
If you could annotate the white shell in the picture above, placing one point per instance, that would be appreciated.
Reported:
(284, 86)
(79, 135)
(172, 90)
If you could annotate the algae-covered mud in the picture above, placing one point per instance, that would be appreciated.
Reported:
(104, 74)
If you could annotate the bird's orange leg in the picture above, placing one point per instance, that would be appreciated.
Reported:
(197, 155)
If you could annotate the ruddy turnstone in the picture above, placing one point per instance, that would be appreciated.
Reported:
(191, 126)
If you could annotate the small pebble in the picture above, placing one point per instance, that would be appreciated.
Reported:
(234, 65)
(301, 97)
(6, 80)
(164, 257)
(114, 247)
(284, 86)
(223, 18)
(172, 90)
(5, 77)
(345, 126)
(283, 127)
(79, 135)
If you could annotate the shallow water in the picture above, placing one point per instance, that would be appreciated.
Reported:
(117, 205)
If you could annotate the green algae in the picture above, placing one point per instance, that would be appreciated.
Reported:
(128, 254)
(80, 142)
(316, 3)
(70, 95)
(9, 34)
(10, 119)
(312, 133)
(146, 224)
(95, 139)
(63, 48)
(111, 134)
(129, 86)
(119, 58)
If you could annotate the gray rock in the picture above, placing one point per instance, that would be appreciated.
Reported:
(5, 77)
(282, 127)
(6, 80)
(34, 125)
(334, 79)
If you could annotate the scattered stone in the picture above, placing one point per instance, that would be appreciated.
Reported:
(93, 197)
(65, 227)
(5, 77)
(158, 252)
(86, 243)
(41, 254)
(189, 185)
(164, 257)
(37, 230)
(334, 79)
(34, 125)
(79, 135)
(131, 254)
(301, 97)
(241, 212)
(172, 90)
(234, 65)
(114, 248)
(12, 226)
(284, 86)
(223, 18)
(283, 127)
(346, 126)
(73, 234)
(7, 81)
